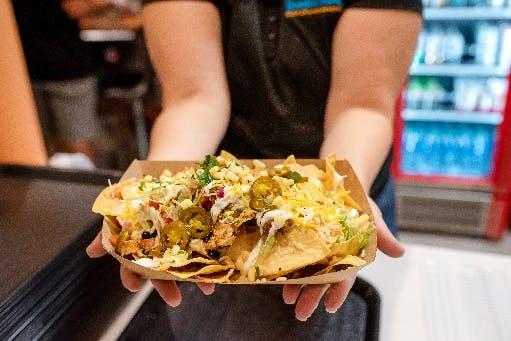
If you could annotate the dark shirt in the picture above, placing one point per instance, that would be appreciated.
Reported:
(278, 69)
(51, 42)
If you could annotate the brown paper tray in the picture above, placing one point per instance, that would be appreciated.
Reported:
(139, 168)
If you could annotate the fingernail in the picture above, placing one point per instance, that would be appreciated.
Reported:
(209, 290)
(302, 318)
(91, 252)
(331, 310)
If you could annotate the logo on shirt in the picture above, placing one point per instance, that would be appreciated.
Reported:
(298, 8)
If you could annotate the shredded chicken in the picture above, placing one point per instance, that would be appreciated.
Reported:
(128, 247)
(223, 235)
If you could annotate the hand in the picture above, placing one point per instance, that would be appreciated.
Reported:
(168, 290)
(307, 298)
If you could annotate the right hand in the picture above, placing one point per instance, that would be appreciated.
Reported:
(168, 290)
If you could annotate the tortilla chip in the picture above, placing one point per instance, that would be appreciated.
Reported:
(295, 247)
(348, 247)
(105, 202)
(348, 260)
(289, 160)
(218, 277)
(208, 269)
(329, 181)
(200, 260)
(226, 155)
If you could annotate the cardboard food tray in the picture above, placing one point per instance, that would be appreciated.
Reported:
(351, 183)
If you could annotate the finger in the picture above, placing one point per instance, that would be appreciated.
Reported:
(337, 294)
(309, 300)
(206, 288)
(95, 248)
(130, 280)
(169, 291)
(387, 243)
(290, 293)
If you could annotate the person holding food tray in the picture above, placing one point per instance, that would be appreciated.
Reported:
(264, 80)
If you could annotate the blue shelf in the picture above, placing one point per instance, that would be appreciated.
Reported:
(458, 70)
(467, 13)
(493, 118)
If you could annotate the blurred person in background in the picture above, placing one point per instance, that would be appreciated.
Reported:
(265, 79)
(62, 71)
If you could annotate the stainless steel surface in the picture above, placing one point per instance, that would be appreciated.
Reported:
(435, 209)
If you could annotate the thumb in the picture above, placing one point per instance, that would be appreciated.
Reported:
(95, 248)
(387, 243)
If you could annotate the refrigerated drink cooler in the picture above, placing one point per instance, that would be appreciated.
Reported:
(452, 151)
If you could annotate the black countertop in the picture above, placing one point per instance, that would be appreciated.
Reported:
(49, 288)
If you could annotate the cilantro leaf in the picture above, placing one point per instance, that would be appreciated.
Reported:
(205, 177)
(295, 176)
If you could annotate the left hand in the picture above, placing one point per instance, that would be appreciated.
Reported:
(168, 290)
(307, 297)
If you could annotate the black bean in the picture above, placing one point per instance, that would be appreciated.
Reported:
(214, 254)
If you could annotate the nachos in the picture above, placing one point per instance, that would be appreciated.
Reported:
(227, 220)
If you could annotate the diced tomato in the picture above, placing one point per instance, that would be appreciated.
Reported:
(166, 218)
(113, 239)
(146, 244)
(154, 204)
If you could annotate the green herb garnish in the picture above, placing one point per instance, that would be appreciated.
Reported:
(295, 176)
(346, 224)
(205, 177)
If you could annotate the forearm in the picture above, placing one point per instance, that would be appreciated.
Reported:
(369, 68)
(362, 136)
(184, 40)
(188, 131)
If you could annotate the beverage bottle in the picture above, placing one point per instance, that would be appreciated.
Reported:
(429, 149)
(505, 45)
(464, 151)
(433, 93)
(496, 3)
(498, 89)
(458, 3)
(487, 43)
(437, 158)
(483, 149)
(418, 57)
(438, 3)
(420, 164)
(410, 140)
(434, 46)
(449, 144)
(489, 148)
(454, 43)
(414, 93)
